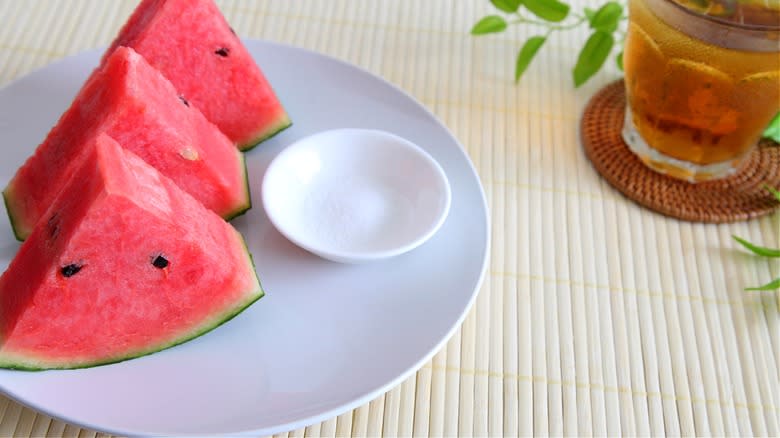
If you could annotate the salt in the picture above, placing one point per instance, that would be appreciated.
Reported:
(355, 215)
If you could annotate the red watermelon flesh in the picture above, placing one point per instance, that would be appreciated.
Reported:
(191, 43)
(136, 105)
(124, 264)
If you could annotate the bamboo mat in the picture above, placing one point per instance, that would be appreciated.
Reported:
(597, 317)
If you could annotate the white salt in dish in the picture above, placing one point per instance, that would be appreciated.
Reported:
(355, 195)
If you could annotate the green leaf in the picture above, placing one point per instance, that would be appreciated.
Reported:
(773, 130)
(772, 285)
(619, 60)
(489, 24)
(550, 10)
(508, 6)
(759, 250)
(607, 17)
(774, 192)
(589, 13)
(527, 53)
(592, 56)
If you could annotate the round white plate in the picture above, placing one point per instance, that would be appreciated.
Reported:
(327, 337)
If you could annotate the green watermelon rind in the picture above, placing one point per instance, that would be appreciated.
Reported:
(7, 200)
(281, 124)
(246, 206)
(198, 332)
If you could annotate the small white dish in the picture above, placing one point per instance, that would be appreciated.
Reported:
(355, 195)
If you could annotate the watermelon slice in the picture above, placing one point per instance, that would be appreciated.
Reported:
(124, 264)
(133, 103)
(190, 42)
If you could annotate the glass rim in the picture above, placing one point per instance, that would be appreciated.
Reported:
(727, 23)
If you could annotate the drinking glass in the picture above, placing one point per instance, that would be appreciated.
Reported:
(702, 82)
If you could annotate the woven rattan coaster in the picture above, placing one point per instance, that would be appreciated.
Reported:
(739, 197)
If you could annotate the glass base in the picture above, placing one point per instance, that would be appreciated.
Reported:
(674, 167)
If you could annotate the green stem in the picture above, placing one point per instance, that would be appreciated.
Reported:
(552, 27)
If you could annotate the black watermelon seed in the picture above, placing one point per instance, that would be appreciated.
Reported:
(160, 262)
(70, 270)
(232, 31)
(184, 101)
(222, 51)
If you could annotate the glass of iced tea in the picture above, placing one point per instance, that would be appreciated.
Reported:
(702, 82)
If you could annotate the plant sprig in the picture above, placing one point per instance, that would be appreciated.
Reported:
(773, 130)
(556, 16)
(763, 251)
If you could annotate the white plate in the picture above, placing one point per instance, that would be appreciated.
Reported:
(356, 195)
(328, 337)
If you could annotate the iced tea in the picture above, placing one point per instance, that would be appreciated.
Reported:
(702, 82)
